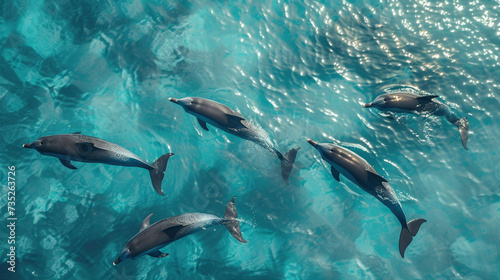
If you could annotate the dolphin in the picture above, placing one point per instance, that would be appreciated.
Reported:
(232, 122)
(407, 99)
(360, 172)
(151, 238)
(77, 147)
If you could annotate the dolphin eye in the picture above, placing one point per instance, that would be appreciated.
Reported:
(128, 250)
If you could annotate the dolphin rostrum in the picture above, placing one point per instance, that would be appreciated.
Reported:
(360, 172)
(232, 122)
(408, 99)
(77, 147)
(153, 237)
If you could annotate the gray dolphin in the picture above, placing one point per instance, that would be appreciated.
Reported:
(153, 237)
(408, 99)
(360, 172)
(232, 122)
(77, 147)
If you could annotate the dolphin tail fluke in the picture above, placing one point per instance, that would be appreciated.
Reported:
(463, 128)
(407, 234)
(231, 221)
(287, 163)
(157, 173)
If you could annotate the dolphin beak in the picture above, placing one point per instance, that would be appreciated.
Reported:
(313, 143)
(173, 99)
(367, 105)
(117, 261)
(27, 145)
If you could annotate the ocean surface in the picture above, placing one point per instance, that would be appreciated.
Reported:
(295, 69)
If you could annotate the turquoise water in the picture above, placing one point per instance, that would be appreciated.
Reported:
(298, 70)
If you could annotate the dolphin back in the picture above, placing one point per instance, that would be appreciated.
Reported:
(217, 114)
(93, 149)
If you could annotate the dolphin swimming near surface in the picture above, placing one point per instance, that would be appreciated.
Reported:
(83, 148)
(360, 172)
(153, 237)
(407, 99)
(232, 122)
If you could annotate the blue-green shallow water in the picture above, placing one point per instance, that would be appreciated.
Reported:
(297, 69)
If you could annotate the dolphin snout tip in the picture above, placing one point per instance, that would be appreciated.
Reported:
(173, 99)
(27, 145)
(312, 142)
(367, 105)
(116, 262)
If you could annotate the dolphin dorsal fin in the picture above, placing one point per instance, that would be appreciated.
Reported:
(235, 121)
(375, 176)
(427, 97)
(76, 132)
(145, 223)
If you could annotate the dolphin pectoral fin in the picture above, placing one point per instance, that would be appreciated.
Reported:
(158, 254)
(427, 97)
(203, 124)
(235, 121)
(335, 174)
(376, 177)
(85, 148)
(76, 132)
(145, 223)
(67, 163)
